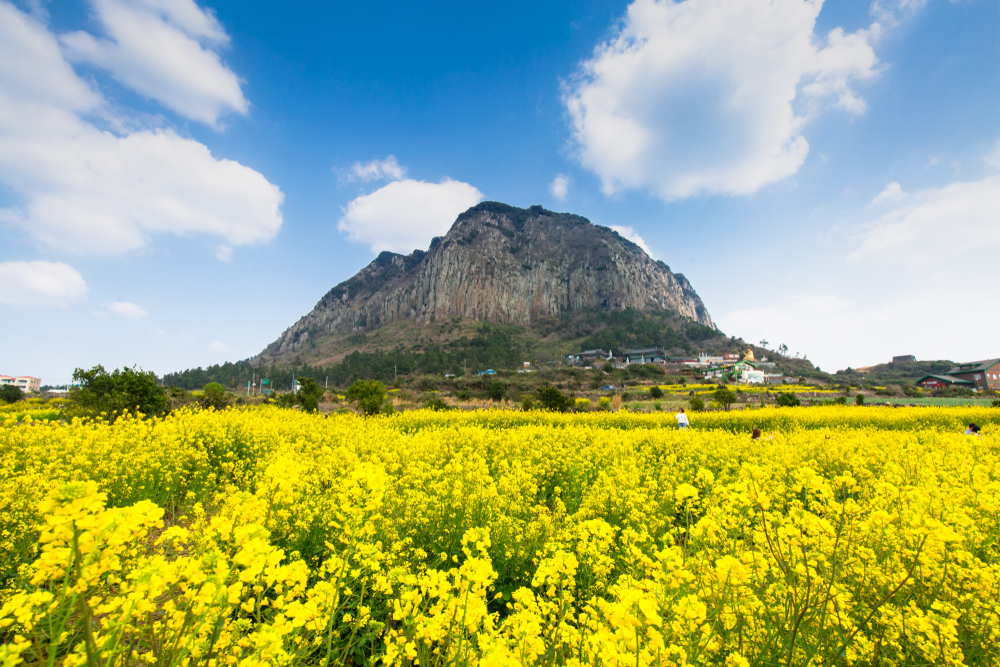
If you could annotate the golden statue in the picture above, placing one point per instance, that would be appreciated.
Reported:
(749, 355)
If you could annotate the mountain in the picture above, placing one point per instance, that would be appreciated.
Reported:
(497, 264)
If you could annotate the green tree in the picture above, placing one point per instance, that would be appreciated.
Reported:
(696, 404)
(497, 390)
(310, 392)
(724, 396)
(10, 394)
(787, 399)
(214, 395)
(370, 395)
(123, 390)
(656, 392)
(860, 400)
(550, 398)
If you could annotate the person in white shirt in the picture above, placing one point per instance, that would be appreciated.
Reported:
(682, 419)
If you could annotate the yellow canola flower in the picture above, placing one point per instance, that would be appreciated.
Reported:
(269, 537)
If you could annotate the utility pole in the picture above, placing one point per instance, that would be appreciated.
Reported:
(395, 375)
(326, 383)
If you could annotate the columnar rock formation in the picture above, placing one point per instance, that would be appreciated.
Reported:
(501, 264)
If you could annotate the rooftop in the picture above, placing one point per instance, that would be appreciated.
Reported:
(973, 366)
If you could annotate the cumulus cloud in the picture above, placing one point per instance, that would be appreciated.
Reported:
(40, 284)
(216, 346)
(937, 225)
(87, 190)
(127, 310)
(376, 170)
(559, 187)
(710, 96)
(405, 215)
(632, 236)
(165, 50)
(892, 192)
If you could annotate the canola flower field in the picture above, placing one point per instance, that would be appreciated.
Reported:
(846, 536)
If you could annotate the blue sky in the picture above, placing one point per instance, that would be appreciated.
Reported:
(180, 181)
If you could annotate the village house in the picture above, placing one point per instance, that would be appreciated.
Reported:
(976, 375)
(588, 355)
(982, 374)
(647, 355)
(943, 382)
(25, 383)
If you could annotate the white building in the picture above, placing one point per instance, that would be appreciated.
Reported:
(25, 383)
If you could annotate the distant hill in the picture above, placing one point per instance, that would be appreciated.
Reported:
(897, 372)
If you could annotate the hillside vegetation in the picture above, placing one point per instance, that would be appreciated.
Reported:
(460, 346)
(898, 372)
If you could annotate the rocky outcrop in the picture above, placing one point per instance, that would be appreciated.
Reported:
(501, 264)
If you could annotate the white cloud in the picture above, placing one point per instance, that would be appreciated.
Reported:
(89, 191)
(188, 338)
(40, 283)
(100, 314)
(224, 253)
(405, 215)
(559, 187)
(892, 12)
(993, 156)
(127, 310)
(938, 226)
(216, 346)
(388, 169)
(710, 96)
(632, 236)
(164, 50)
(892, 192)
(158, 331)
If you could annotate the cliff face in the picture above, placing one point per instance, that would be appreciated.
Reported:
(501, 264)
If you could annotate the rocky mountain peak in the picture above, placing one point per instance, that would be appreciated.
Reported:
(502, 264)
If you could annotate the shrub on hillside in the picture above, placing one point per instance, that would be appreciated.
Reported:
(724, 396)
(113, 394)
(787, 400)
(370, 396)
(309, 394)
(437, 405)
(497, 390)
(214, 395)
(656, 392)
(696, 404)
(10, 394)
(550, 398)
